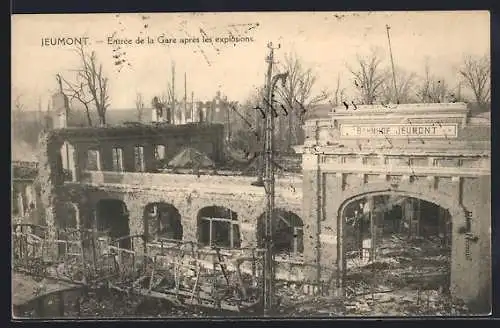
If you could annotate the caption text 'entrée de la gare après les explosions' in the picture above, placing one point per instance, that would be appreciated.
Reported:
(141, 40)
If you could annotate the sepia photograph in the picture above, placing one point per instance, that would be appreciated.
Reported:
(251, 165)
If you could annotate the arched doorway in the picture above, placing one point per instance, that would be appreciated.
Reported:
(218, 227)
(392, 242)
(162, 221)
(288, 232)
(112, 218)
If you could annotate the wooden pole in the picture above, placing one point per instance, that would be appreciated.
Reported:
(185, 99)
(173, 94)
(392, 63)
(192, 107)
(269, 188)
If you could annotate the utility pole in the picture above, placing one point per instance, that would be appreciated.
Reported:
(185, 100)
(269, 181)
(260, 129)
(172, 116)
(269, 187)
(225, 106)
(192, 106)
(392, 63)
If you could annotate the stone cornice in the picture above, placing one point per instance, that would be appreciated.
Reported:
(456, 148)
(406, 170)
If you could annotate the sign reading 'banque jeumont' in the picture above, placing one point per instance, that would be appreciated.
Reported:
(428, 130)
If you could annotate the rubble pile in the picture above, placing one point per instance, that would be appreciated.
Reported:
(402, 302)
(420, 264)
(409, 277)
(102, 303)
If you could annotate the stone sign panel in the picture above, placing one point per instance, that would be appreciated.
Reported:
(428, 130)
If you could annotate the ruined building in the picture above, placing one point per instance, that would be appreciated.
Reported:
(374, 181)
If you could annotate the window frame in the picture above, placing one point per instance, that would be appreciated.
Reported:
(231, 234)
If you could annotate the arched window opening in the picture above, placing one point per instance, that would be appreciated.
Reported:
(112, 218)
(218, 227)
(162, 221)
(288, 234)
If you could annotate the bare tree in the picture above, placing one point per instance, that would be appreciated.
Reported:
(432, 89)
(246, 145)
(90, 87)
(475, 72)
(369, 77)
(139, 106)
(295, 98)
(405, 84)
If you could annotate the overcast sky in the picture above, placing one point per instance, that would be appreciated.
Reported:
(324, 41)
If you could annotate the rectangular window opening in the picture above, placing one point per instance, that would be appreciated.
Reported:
(93, 160)
(139, 164)
(117, 159)
(160, 152)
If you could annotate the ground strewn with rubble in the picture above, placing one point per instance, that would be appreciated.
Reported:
(26, 288)
(98, 304)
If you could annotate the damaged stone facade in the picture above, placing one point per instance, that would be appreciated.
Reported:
(450, 169)
(136, 191)
(344, 162)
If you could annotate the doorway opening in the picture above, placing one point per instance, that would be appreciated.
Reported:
(393, 241)
(113, 219)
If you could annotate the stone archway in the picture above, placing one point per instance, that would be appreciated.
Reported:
(288, 235)
(445, 201)
(431, 195)
(162, 221)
